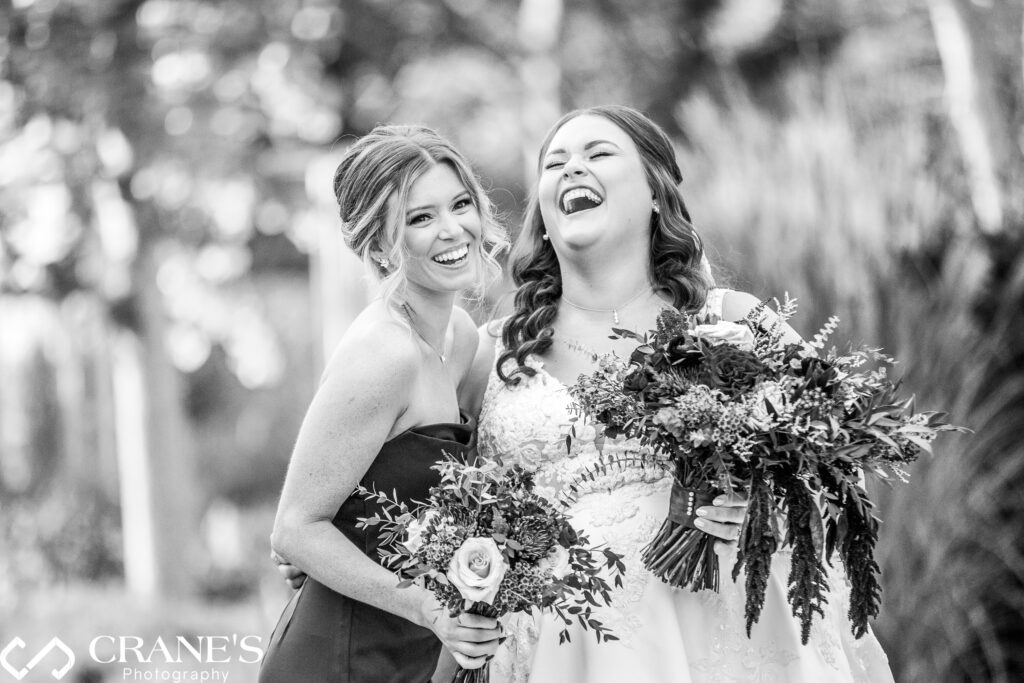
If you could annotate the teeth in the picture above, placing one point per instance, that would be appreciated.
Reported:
(579, 193)
(453, 255)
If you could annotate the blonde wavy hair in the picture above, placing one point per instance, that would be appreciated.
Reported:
(385, 163)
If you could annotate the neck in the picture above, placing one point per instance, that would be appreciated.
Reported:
(430, 313)
(605, 283)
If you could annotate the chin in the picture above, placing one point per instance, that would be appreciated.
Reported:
(580, 236)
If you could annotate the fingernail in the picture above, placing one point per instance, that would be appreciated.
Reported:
(719, 500)
(702, 512)
(701, 523)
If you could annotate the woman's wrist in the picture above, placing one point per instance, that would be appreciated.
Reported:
(421, 606)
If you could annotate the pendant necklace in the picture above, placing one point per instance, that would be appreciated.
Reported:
(614, 311)
(409, 314)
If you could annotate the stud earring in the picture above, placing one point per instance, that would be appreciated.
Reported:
(544, 236)
(655, 208)
(383, 263)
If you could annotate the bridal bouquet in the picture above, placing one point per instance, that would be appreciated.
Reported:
(729, 407)
(487, 544)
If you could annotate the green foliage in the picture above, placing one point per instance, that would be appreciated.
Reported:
(757, 543)
(730, 406)
(545, 562)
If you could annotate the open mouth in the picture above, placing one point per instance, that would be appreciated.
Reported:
(453, 257)
(579, 199)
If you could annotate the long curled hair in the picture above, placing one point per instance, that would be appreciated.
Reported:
(676, 250)
(383, 164)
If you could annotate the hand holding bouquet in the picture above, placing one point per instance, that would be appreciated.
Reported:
(486, 543)
(728, 406)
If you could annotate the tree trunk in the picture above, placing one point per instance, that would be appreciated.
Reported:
(981, 50)
(159, 486)
(337, 284)
(540, 75)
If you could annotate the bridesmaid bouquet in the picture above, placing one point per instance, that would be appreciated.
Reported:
(728, 407)
(487, 544)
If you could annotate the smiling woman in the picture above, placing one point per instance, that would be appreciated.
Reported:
(441, 226)
(385, 412)
(607, 241)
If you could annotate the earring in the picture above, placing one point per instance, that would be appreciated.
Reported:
(654, 207)
(383, 263)
(544, 236)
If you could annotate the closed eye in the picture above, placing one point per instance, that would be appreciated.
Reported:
(554, 164)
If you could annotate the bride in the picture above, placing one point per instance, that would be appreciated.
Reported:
(607, 241)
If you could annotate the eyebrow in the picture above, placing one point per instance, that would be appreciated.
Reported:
(464, 193)
(589, 145)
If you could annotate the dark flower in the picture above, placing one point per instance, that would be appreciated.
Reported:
(818, 373)
(567, 537)
(536, 535)
(636, 381)
(639, 355)
(683, 348)
(730, 369)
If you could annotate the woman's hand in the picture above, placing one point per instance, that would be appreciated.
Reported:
(471, 638)
(724, 518)
(293, 576)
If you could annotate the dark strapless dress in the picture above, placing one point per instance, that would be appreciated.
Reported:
(326, 637)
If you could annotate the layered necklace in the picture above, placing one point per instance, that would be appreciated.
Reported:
(614, 310)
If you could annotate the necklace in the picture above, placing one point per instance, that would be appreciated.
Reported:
(409, 314)
(614, 311)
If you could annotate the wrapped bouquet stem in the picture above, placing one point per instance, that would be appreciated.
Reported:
(681, 554)
(728, 407)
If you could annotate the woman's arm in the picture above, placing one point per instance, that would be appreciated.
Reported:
(364, 392)
(358, 402)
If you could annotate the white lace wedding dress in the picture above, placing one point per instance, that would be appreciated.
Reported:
(667, 634)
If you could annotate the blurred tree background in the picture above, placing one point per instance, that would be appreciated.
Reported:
(171, 271)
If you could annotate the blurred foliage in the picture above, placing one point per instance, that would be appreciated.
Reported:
(199, 136)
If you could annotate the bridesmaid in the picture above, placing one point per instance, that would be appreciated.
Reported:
(385, 411)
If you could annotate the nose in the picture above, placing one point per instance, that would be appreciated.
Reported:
(573, 167)
(450, 228)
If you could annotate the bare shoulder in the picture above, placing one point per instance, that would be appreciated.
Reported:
(377, 349)
(490, 331)
(737, 305)
(464, 330)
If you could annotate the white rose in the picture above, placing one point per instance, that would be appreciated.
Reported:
(477, 569)
(557, 562)
(724, 332)
(759, 415)
(416, 529)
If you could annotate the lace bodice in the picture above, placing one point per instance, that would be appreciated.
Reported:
(527, 424)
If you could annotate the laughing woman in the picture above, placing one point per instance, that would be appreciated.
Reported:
(607, 241)
(385, 411)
